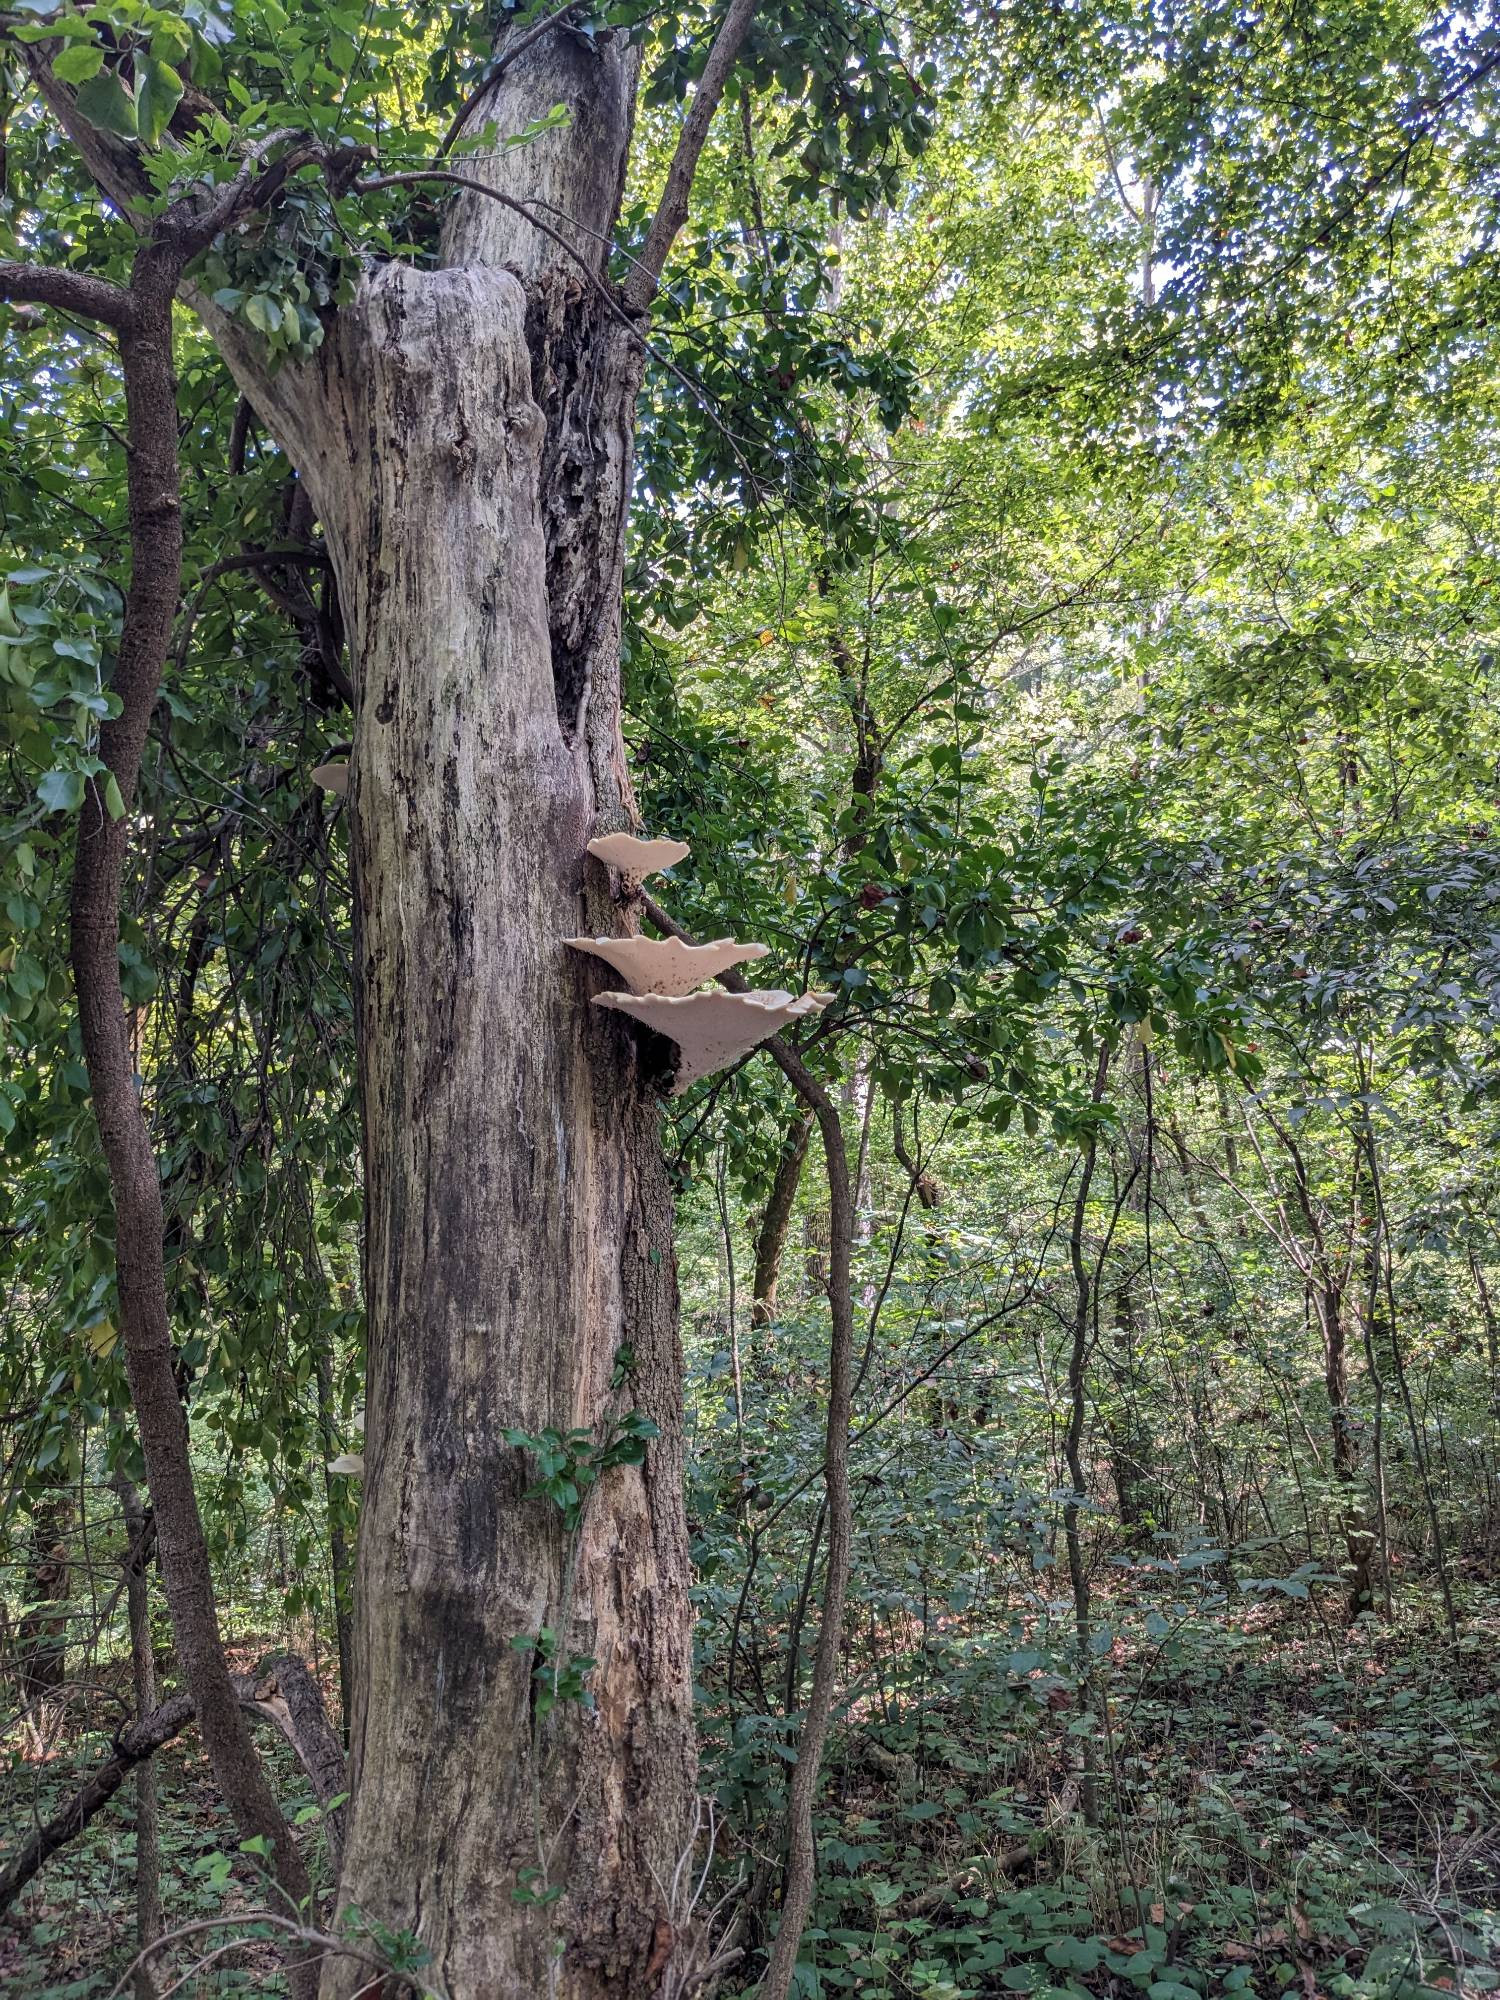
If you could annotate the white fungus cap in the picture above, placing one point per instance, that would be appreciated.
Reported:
(713, 1030)
(637, 857)
(667, 965)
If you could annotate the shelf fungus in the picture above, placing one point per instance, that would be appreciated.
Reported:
(333, 778)
(712, 1030)
(637, 857)
(666, 965)
(350, 1462)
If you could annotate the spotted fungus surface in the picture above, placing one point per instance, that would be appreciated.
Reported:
(667, 965)
(713, 1030)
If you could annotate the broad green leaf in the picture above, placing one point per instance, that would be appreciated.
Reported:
(78, 62)
(263, 313)
(158, 94)
(61, 791)
(105, 102)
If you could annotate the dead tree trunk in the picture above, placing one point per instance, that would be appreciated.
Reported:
(465, 434)
(467, 440)
(519, 1219)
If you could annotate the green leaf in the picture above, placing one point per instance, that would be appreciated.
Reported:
(263, 314)
(78, 62)
(1074, 1954)
(105, 102)
(61, 791)
(114, 805)
(158, 95)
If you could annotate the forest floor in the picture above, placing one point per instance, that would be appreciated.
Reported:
(1284, 1810)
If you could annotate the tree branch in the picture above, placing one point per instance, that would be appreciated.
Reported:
(101, 848)
(113, 165)
(640, 287)
(291, 1700)
(132, 1746)
(69, 291)
(801, 1863)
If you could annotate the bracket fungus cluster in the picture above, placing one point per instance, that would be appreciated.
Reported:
(711, 1029)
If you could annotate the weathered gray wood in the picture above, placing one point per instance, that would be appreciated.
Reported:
(466, 438)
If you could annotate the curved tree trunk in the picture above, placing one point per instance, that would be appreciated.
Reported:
(145, 329)
(776, 1222)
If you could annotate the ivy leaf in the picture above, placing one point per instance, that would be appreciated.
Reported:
(78, 62)
(105, 102)
(158, 96)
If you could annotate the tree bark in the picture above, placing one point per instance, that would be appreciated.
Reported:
(1131, 1450)
(467, 439)
(1078, 1365)
(150, 605)
(466, 436)
(1359, 1540)
(42, 1629)
(148, 1913)
(801, 1858)
(776, 1221)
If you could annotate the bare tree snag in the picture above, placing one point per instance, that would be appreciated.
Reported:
(466, 437)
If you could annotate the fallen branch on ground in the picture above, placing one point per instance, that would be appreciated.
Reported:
(285, 1694)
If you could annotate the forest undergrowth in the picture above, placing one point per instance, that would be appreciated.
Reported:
(1284, 1805)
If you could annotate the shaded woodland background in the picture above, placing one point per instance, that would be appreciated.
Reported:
(1062, 612)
